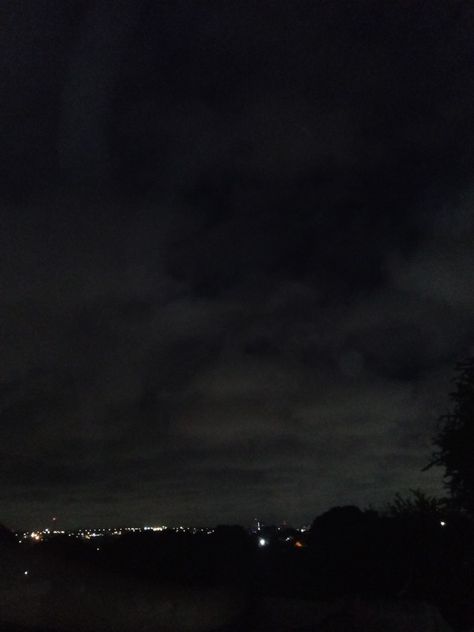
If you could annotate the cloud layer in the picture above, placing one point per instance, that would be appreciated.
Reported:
(260, 312)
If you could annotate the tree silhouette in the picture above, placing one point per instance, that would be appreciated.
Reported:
(455, 440)
(418, 503)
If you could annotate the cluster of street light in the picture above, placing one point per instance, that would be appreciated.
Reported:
(87, 534)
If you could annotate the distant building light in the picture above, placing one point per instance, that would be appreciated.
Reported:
(262, 542)
(26, 573)
(442, 523)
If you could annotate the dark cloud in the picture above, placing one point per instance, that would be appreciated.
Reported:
(236, 255)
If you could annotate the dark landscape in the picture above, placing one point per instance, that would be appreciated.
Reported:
(236, 315)
(409, 569)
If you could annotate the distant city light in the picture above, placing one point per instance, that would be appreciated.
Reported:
(26, 573)
(442, 523)
(87, 534)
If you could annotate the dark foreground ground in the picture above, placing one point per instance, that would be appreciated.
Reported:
(280, 615)
(361, 576)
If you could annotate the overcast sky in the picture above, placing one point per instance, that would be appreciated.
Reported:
(236, 254)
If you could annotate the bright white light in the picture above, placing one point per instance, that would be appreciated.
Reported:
(442, 523)
(25, 573)
(262, 542)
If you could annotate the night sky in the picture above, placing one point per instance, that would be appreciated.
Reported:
(236, 254)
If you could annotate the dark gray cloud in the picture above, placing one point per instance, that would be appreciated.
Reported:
(250, 299)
